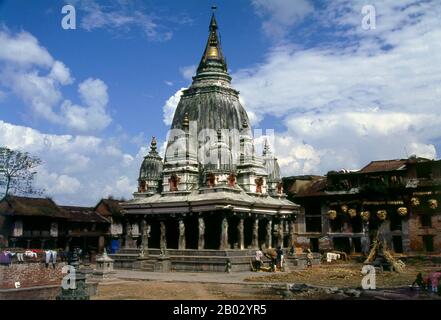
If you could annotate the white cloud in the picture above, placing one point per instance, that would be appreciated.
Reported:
(365, 95)
(29, 71)
(56, 185)
(122, 16)
(170, 107)
(76, 170)
(422, 150)
(280, 15)
(93, 93)
(41, 93)
(23, 49)
(187, 72)
(60, 73)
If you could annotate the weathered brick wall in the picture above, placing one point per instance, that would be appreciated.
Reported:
(416, 231)
(30, 274)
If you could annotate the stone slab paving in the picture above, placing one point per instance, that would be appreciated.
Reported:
(212, 277)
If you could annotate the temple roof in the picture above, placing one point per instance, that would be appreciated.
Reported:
(210, 101)
(210, 136)
(151, 168)
(237, 201)
(213, 51)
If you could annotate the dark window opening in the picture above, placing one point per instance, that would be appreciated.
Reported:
(233, 237)
(314, 244)
(397, 242)
(212, 231)
(428, 243)
(356, 243)
(423, 171)
(191, 232)
(395, 222)
(373, 222)
(426, 220)
(154, 234)
(262, 231)
(248, 234)
(313, 224)
(313, 209)
(342, 244)
(172, 234)
(357, 226)
(336, 225)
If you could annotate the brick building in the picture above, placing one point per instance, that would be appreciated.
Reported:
(346, 210)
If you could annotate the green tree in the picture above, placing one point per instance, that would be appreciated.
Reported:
(17, 172)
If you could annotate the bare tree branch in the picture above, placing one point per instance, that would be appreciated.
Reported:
(17, 171)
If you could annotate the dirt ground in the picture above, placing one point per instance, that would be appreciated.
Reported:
(335, 275)
(345, 276)
(157, 290)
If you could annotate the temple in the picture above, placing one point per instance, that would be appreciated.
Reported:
(212, 197)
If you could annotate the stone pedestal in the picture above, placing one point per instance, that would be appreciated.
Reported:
(163, 264)
(80, 290)
(104, 268)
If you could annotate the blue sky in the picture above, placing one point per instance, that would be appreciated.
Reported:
(88, 100)
(140, 72)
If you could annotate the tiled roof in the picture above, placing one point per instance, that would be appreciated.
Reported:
(113, 206)
(84, 214)
(24, 206)
(384, 165)
(316, 188)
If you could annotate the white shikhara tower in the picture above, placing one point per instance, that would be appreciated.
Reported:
(211, 180)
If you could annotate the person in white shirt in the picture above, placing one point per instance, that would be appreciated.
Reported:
(258, 257)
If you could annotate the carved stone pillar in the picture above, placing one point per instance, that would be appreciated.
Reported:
(181, 244)
(128, 236)
(162, 237)
(280, 234)
(240, 235)
(101, 244)
(145, 233)
(255, 235)
(224, 235)
(269, 235)
(291, 233)
(201, 240)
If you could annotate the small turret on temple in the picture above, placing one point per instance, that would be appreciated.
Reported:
(150, 174)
